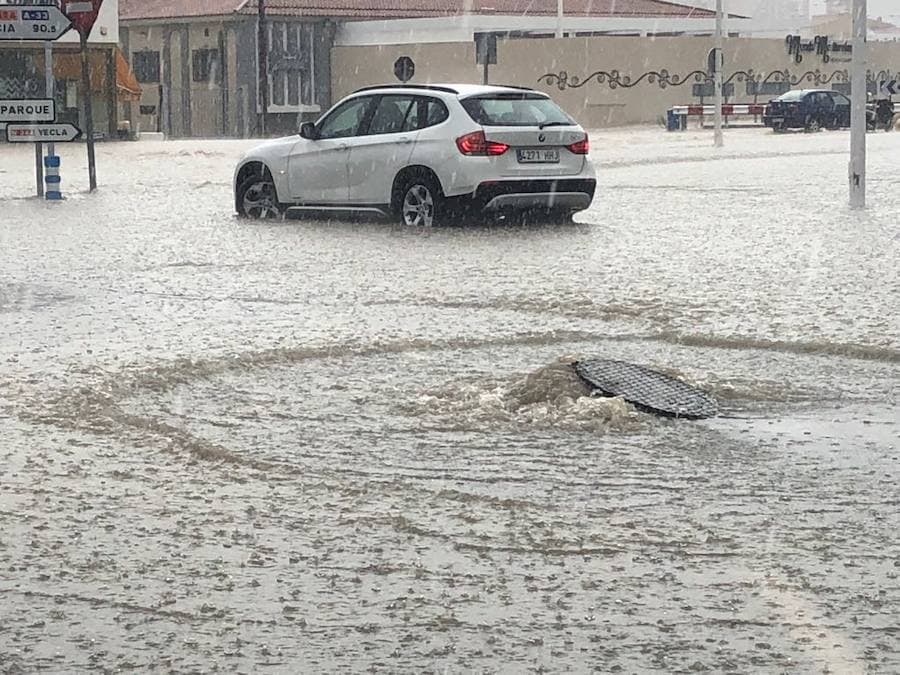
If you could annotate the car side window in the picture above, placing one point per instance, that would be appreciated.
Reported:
(392, 114)
(345, 121)
(437, 113)
(839, 99)
(427, 112)
(825, 101)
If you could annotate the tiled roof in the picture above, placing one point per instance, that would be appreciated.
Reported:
(171, 9)
(395, 9)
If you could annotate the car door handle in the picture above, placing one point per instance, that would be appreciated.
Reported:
(343, 147)
(405, 141)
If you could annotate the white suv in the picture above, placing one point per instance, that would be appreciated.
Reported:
(425, 154)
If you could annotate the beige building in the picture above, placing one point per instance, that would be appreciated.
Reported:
(612, 80)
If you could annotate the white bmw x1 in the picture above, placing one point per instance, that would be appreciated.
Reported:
(425, 155)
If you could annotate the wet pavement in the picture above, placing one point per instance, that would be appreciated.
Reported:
(307, 446)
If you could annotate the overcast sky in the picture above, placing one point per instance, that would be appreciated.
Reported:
(876, 7)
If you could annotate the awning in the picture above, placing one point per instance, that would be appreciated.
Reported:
(67, 66)
(129, 89)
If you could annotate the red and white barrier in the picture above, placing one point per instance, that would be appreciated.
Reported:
(732, 109)
(677, 117)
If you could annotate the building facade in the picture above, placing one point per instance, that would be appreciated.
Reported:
(199, 62)
(199, 68)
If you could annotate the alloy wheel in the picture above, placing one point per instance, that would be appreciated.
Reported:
(418, 206)
(261, 201)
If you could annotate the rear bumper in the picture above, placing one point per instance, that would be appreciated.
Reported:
(572, 194)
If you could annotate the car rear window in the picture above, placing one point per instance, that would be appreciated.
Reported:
(515, 110)
(795, 95)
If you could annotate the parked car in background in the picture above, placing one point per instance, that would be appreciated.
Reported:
(424, 154)
(809, 109)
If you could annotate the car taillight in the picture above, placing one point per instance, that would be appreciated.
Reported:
(581, 147)
(476, 144)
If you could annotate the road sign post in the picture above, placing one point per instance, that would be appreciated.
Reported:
(88, 113)
(53, 191)
(83, 14)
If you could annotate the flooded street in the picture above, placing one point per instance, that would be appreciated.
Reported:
(308, 446)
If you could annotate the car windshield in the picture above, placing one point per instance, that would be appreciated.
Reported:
(515, 110)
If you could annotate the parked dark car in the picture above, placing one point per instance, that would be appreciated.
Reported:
(810, 109)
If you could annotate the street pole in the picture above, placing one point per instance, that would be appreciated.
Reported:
(857, 171)
(88, 112)
(50, 84)
(262, 39)
(560, 12)
(718, 75)
(53, 191)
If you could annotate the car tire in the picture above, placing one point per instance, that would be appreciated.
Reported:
(778, 127)
(420, 202)
(812, 124)
(257, 199)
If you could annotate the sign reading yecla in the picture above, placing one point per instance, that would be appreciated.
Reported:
(32, 22)
(821, 45)
(41, 133)
(28, 110)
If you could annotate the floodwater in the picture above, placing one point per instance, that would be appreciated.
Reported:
(306, 447)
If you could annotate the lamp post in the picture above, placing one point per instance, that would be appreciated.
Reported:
(857, 170)
(560, 12)
(719, 61)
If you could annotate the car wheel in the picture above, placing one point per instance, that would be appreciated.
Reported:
(833, 123)
(421, 202)
(778, 127)
(812, 123)
(257, 198)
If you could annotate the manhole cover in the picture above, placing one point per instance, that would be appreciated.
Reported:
(647, 389)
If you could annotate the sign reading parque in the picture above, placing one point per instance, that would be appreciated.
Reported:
(28, 110)
(32, 22)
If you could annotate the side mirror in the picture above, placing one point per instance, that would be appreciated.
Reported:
(308, 130)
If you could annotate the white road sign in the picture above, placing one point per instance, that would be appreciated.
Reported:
(28, 110)
(41, 133)
(32, 22)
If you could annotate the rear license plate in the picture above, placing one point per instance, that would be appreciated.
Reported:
(538, 156)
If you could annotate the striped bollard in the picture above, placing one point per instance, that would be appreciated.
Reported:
(51, 177)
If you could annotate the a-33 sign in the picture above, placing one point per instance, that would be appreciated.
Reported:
(32, 22)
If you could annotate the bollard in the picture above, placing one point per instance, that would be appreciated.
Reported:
(672, 123)
(52, 178)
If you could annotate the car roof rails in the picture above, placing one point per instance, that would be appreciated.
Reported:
(513, 86)
(430, 87)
